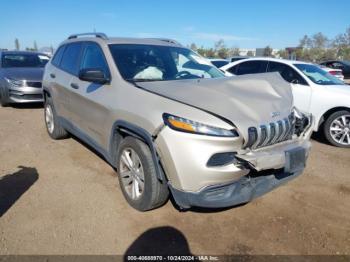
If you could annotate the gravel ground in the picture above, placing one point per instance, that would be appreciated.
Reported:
(59, 197)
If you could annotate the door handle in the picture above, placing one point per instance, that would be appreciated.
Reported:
(75, 86)
(52, 75)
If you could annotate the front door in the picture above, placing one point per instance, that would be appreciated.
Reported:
(89, 101)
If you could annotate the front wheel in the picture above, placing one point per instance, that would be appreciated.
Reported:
(137, 176)
(337, 129)
(3, 103)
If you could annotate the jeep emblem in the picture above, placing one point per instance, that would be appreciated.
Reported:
(275, 114)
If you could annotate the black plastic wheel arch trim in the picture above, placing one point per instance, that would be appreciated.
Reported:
(142, 134)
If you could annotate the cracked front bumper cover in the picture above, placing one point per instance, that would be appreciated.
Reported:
(242, 191)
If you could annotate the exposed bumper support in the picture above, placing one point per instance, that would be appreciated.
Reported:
(242, 191)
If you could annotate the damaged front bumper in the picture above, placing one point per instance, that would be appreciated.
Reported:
(242, 191)
(269, 169)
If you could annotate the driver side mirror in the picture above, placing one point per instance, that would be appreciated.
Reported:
(94, 75)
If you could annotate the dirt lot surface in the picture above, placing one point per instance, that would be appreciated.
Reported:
(58, 197)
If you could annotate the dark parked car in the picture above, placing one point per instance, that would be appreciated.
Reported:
(21, 76)
(343, 65)
(237, 58)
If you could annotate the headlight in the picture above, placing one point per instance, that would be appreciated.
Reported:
(14, 82)
(297, 113)
(189, 126)
(302, 121)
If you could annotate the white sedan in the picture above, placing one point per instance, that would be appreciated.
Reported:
(315, 91)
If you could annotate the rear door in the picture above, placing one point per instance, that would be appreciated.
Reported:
(89, 101)
(65, 75)
(301, 89)
(57, 83)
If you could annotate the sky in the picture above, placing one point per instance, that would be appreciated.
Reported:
(242, 24)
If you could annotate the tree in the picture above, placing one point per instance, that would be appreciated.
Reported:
(210, 52)
(17, 46)
(223, 53)
(319, 40)
(220, 49)
(283, 53)
(219, 44)
(193, 47)
(35, 48)
(267, 51)
(305, 42)
(201, 51)
(250, 53)
(235, 51)
(341, 44)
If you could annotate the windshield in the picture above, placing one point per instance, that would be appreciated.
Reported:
(318, 75)
(24, 60)
(138, 62)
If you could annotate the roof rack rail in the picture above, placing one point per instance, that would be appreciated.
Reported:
(99, 35)
(168, 40)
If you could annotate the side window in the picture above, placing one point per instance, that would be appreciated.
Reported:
(233, 69)
(58, 56)
(329, 64)
(70, 59)
(251, 67)
(184, 64)
(288, 73)
(93, 58)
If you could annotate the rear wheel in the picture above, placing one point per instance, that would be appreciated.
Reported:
(53, 127)
(337, 129)
(137, 176)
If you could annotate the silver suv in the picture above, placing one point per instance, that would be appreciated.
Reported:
(170, 123)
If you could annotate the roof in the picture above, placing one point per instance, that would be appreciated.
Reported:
(218, 59)
(286, 61)
(102, 38)
(154, 41)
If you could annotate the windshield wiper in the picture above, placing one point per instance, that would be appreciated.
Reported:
(142, 80)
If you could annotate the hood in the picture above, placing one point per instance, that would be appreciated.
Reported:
(24, 73)
(341, 89)
(248, 100)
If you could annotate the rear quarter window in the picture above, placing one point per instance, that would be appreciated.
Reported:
(56, 60)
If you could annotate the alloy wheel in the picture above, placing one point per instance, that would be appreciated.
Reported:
(340, 130)
(49, 119)
(132, 173)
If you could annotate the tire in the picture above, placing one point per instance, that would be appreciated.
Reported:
(340, 130)
(151, 193)
(53, 127)
(3, 103)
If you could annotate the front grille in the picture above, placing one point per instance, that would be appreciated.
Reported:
(272, 133)
(34, 84)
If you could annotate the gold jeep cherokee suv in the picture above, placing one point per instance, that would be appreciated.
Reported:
(171, 123)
